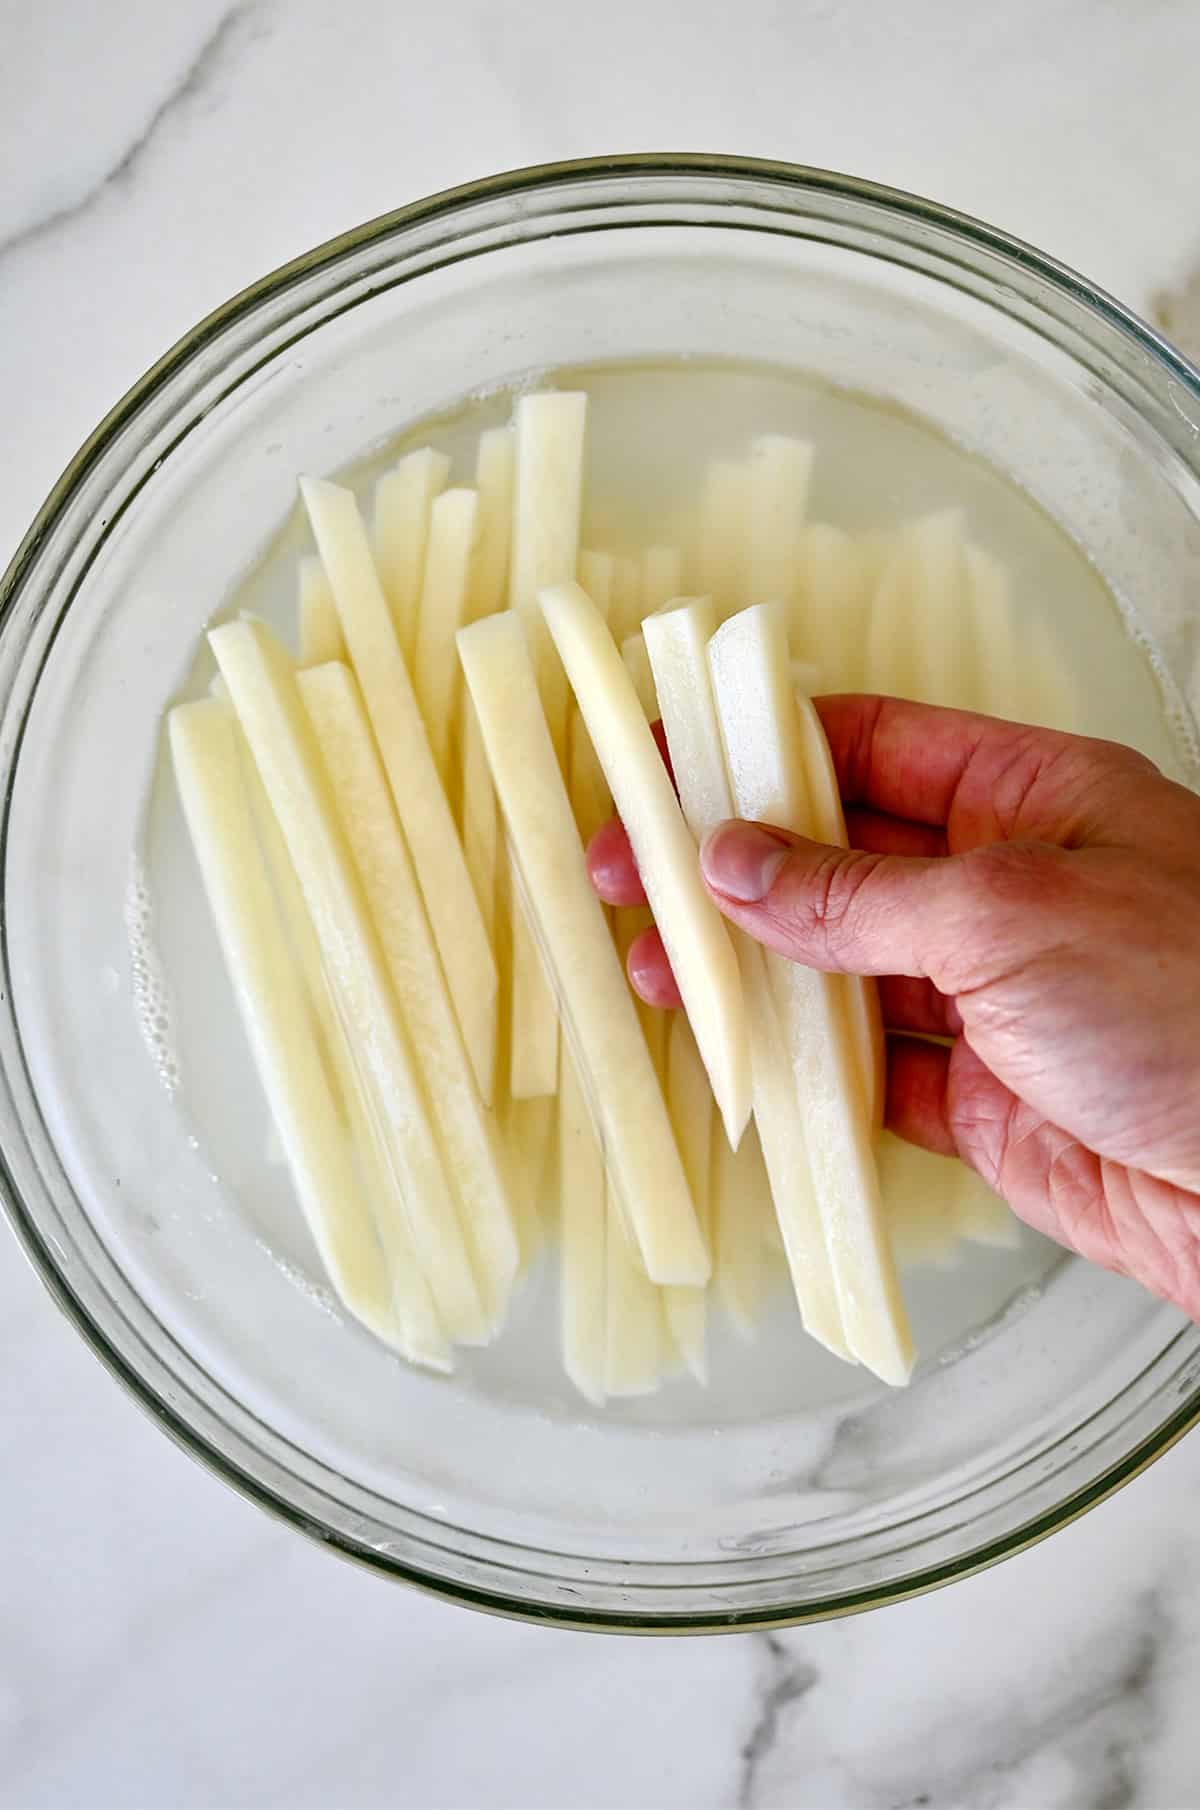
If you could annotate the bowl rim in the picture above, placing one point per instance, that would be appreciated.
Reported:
(545, 179)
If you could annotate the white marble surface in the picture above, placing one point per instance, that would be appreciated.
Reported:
(163, 1643)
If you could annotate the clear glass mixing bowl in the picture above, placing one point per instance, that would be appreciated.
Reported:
(786, 1494)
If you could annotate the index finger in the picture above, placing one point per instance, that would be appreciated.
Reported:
(899, 757)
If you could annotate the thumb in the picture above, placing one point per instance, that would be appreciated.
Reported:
(836, 908)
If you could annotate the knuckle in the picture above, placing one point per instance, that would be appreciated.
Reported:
(827, 911)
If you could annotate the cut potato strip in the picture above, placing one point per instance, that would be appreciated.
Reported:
(780, 472)
(403, 499)
(827, 622)
(533, 1063)
(582, 1210)
(1000, 665)
(262, 685)
(275, 1012)
(721, 554)
(981, 1215)
(634, 1328)
(320, 630)
(690, 1103)
(420, 798)
(661, 578)
(494, 468)
(741, 1205)
(480, 822)
(631, 1116)
(637, 664)
(547, 499)
(445, 607)
(695, 936)
(764, 755)
(677, 643)
(590, 797)
(467, 1131)
(529, 1133)
(940, 627)
(861, 992)
(596, 572)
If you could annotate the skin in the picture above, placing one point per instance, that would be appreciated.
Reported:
(1032, 897)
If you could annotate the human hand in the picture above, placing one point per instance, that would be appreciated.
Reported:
(1036, 898)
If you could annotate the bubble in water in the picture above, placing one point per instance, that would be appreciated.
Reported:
(151, 996)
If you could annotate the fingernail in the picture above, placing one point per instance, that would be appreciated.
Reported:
(742, 861)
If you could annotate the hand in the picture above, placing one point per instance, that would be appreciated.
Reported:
(1033, 896)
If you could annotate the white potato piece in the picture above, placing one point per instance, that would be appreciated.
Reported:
(941, 625)
(828, 619)
(591, 800)
(693, 1113)
(320, 630)
(861, 992)
(583, 1213)
(741, 1207)
(635, 1333)
(276, 1013)
(661, 577)
(445, 607)
(596, 572)
(479, 818)
(403, 499)
(721, 552)
(628, 1105)
(425, 814)
(780, 473)
(692, 930)
(636, 662)
(547, 500)
(534, 1052)
(677, 643)
(466, 1130)
(1001, 667)
(262, 685)
(764, 755)
(495, 463)
(918, 1194)
(529, 1127)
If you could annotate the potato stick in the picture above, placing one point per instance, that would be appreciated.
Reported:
(677, 643)
(690, 1103)
(861, 994)
(637, 664)
(444, 608)
(692, 930)
(632, 1118)
(764, 756)
(582, 1209)
(741, 1200)
(940, 627)
(529, 1129)
(662, 577)
(827, 620)
(780, 472)
(633, 1312)
(275, 1012)
(466, 1130)
(917, 1203)
(533, 1067)
(890, 665)
(262, 685)
(425, 814)
(590, 797)
(494, 482)
(596, 572)
(480, 823)
(403, 499)
(721, 555)
(547, 498)
(999, 664)
(320, 630)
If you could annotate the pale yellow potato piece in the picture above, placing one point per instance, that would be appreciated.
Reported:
(582, 1213)
(661, 577)
(466, 1130)
(692, 929)
(861, 992)
(941, 623)
(320, 630)
(764, 756)
(693, 1113)
(590, 797)
(529, 1128)
(637, 664)
(827, 622)
(919, 1202)
(890, 664)
(741, 1205)
(625, 1098)
(425, 814)
(677, 643)
(534, 1053)
(444, 608)
(635, 1332)
(495, 464)
(547, 500)
(721, 552)
(262, 685)
(1001, 667)
(403, 499)
(596, 573)
(479, 818)
(276, 1013)
(780, 473)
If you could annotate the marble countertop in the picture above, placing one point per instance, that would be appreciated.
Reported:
(164, 1644)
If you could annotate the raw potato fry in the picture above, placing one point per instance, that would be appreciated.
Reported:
(494, 466)
(533, 1070)
(637, 664)
(632, 1118)
(444, 608)
(741, 1203)
(275, 1012)
(320, 630)
(891, 666)
(860, 992)
(596, 573)
(662, 578)
(547, 499)
(583, 1210)
(403, 499)
(529, 1128)
(425, 814)
(696, 940)
(1001, 690)
(920, 1214)
(262, 685)
(634, 1328)
(940, 627)
(467, 1132)
(677, 643)
(778, 482)
(690, 1103)
(764, 756)
(827, 621)
(721, 557)
(480, 823)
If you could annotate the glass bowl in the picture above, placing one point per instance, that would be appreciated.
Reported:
(788, 1492)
